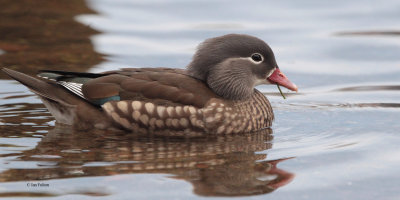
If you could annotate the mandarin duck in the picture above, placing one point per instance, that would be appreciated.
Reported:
(215, 94)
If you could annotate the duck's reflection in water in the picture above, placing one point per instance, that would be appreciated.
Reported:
(215, 166)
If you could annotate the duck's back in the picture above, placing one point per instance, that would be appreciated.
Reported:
(161, 86)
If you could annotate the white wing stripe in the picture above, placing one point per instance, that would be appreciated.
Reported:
(76, 88)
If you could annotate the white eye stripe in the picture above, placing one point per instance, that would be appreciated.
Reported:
(271, 72)
(251, 60)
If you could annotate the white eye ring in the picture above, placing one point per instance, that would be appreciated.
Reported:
(256, 58)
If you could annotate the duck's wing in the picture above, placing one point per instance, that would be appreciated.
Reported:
(72, 81)
(162, 86)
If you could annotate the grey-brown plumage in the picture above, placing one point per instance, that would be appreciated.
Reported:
(214, 95)
(221, 63)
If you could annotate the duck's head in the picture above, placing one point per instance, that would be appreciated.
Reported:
(232, 65)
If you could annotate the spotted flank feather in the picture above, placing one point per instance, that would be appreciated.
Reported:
(217, 116)
(131, 114)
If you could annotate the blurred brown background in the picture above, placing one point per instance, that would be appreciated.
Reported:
(43, 34)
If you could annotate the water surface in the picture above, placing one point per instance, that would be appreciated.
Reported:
(337, 138)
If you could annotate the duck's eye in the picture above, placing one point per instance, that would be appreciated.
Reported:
(257, 57)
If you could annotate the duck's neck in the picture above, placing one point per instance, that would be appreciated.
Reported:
(256, 112)
(228, 86)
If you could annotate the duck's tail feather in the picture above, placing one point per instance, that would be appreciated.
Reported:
(39, 87)
(55, 98)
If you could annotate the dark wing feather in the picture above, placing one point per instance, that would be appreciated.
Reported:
(65, 74)
(72, 81)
